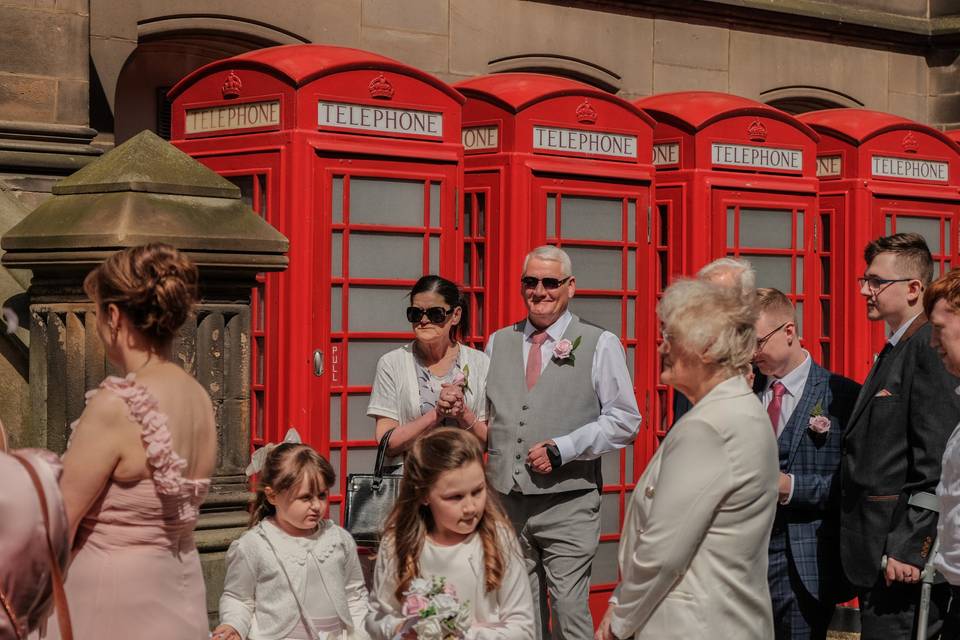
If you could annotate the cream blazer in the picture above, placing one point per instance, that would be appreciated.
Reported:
(504, 614)
(257, 600)
(693, 554)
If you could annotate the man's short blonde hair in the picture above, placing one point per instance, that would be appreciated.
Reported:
(714, 322)
(775, 303)
(553, 254)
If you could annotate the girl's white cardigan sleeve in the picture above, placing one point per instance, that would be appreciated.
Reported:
(237, 601)
(384, 617)
(357, 599)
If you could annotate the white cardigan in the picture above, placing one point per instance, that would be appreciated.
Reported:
(257, 600)
(504, 614)
(396, 392)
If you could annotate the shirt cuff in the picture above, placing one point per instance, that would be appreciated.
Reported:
(567, 451)
(618, 628)
(790, 494)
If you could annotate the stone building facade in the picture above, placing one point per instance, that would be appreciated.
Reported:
(80, 75)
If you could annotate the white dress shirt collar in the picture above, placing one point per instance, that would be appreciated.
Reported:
(554, 331)
(895, 338)
(796, 379)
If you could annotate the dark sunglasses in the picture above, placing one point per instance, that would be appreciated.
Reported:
(529, 282)
(435, 315)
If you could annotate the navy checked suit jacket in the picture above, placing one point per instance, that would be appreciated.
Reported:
(812, 516)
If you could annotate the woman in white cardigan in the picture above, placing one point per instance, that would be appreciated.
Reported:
(435, 380)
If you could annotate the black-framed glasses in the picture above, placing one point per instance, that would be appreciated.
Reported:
(529, 282)
(876, 284)
(435, 315)
(762, 342)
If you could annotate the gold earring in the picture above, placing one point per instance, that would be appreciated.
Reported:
(114, 332)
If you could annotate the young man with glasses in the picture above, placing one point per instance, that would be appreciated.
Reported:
(893, 446)
(809, 408)
(559, 396)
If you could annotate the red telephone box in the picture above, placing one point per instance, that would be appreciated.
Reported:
(552, 160)
(736, 177)
(879, 174)
(357, 159)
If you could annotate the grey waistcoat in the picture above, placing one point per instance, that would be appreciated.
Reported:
(562, 401)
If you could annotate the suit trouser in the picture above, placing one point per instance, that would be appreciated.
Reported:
(797, 615)
(890, 613)
(559, 534)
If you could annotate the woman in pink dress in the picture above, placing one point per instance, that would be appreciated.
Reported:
(139, 461)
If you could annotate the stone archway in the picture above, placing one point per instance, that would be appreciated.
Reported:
(138, 48)
(560, 65)
(797, 99)
(157, 64)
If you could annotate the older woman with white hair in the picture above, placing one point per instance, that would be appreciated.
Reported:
(693, 555)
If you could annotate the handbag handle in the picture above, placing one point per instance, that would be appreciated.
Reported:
(381, 456)
(56, 577)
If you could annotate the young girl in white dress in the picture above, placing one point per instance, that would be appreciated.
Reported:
(447, 524)
(293, 575)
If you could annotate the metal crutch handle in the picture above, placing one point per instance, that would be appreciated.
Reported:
(930, 502)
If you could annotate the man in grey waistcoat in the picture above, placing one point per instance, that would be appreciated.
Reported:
(560, 396)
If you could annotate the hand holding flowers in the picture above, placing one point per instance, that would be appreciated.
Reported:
(452, 401)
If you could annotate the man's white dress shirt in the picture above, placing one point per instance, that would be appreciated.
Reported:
(947, 561)
(902, 329)
(793, 383)
(619, 416)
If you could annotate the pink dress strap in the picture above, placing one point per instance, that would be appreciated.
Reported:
(166, 464)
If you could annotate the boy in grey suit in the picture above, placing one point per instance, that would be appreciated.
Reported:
(560, 396)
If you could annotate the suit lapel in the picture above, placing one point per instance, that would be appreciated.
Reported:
(812, 393)
(878, 375)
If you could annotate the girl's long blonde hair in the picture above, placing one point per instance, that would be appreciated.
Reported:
(441, 450)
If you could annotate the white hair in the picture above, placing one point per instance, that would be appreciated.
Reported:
(711, 321)
(741, 270)
(552, 254)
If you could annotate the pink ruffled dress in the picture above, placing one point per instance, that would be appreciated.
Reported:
(136, 572)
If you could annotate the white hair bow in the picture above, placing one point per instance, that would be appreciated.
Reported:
(259, 457)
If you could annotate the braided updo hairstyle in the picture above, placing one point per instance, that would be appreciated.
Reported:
(154, 285)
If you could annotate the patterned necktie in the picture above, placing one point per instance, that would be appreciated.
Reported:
(534, 359)
(773, 409)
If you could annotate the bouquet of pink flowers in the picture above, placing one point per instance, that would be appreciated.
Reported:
(433, 610)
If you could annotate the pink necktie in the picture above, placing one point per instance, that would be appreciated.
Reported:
(537, 338)
(773, 409)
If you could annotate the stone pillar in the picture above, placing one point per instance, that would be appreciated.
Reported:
(44, 132)
(146, 190)
(14, 355)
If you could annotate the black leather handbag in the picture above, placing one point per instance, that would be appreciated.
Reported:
(369, 499)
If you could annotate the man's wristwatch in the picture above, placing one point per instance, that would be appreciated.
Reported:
(553, 454)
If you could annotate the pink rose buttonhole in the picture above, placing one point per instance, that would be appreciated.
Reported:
(563, 351)
(819, 423)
